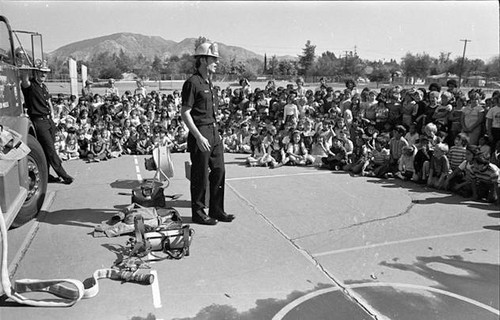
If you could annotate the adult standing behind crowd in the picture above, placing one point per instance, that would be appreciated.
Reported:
(199, 109)
(493, 119)
(473, 118)
(140, 88)
(87, 93)
(37, 99)
(111, 91)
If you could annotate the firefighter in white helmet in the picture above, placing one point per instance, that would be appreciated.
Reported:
(199, 109)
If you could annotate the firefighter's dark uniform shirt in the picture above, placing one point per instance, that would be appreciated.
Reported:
(198, 95)
(37, 97)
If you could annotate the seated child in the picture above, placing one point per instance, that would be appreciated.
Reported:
(273, 147)
(180, 140)
(296, 152)
(98, 148)
(244, 139)
(495, 155)
(457, 151)
(439, 167)
(83, 144)
(459, 180)
(258, 156)
(337, 155)
(485, 179)
(319, 149)
(71, 148)
(230, 140)
(412, 136)
(144, 144)
(60, 145)
(360, 157)
(379, 159)
(115, 147)
(484, 146)
(406, 167)
(396, 145)
(422, 160)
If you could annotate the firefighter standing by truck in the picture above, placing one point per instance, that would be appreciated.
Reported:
(37, 99)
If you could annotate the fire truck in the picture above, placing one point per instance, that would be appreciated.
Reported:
(23, 182)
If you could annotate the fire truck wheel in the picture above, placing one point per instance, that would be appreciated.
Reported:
(37, 183)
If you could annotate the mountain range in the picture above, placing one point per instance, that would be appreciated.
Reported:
(134, 44)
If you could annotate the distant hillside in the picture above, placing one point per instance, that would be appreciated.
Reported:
(134, 44)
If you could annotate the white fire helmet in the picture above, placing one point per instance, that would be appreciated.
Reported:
(207, 49)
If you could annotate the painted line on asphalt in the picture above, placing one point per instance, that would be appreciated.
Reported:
(30, 236)
(137, 168)
(370, 246)
(292, 305)
(278, 176)
(155, 287)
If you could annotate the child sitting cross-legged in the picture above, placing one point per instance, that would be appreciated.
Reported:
(422, 160)
(230, 140)
(457, 151)
(360, 157)
(257, 158)
(296, 152)
(459, 181)
(379, 159)
(337, 155)
(274, 148)
(319, 149)
(439, 167)
(485, 179)
(71, 147)
(406, 167)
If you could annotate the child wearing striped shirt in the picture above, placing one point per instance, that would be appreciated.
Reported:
(485, 179)
(456, 155)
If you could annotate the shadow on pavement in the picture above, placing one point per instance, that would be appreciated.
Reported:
(478, 281)
(496, 228)
(125, 184)
(83, 217)
(264, 309)
(445, 197)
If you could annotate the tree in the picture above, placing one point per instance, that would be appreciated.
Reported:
(123, 61)
(492, 68)
(265, 63)
(110, 72)
(273, 66)
(287, 68)
(380, 74)
(417, 65)
(352, 66)
(157, 65)
(327, 65)
(186, 64)
(306, 60)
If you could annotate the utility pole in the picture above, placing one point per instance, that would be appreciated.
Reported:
(345, 65)
(462, 64)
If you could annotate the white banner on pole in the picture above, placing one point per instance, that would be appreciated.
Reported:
(84, 74)
(73, 76)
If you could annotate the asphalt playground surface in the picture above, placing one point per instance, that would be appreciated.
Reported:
(306, 244)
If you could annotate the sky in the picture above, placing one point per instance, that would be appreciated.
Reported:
(376, 30)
